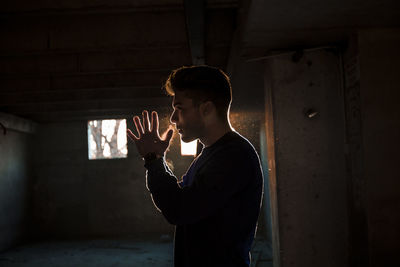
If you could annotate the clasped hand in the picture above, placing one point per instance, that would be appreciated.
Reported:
(148, 139)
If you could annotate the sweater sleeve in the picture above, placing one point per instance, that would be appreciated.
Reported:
(222, 176)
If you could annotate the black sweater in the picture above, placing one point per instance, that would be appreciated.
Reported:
(216, 213)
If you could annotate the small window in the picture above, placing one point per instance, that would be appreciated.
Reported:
(189, 149)
(107, 139)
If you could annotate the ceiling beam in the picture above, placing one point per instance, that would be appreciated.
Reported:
(195, 25)
(43, 11)
(60, 96)
(87, 105)
(50, 9)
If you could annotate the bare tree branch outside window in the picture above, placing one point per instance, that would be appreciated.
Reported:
(107, 139)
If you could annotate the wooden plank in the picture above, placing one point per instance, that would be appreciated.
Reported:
(12, 122)
(93, 31)
(85, 105)
(89, 114)
(84, 80)
(59, 96)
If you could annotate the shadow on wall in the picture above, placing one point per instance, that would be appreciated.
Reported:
(15, 178)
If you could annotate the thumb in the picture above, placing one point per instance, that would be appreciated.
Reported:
(168, 136)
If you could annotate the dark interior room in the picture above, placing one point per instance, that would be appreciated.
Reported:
(314, 89)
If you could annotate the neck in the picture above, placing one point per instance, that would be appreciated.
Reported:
(215, 132)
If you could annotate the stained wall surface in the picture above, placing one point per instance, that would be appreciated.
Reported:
(15, 177)
(307, 106)
(380, 94)
(75, 197)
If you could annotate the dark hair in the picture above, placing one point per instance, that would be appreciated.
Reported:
(202, 83)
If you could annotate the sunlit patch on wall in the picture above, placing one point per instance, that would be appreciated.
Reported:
(189, 149)
(107, 139)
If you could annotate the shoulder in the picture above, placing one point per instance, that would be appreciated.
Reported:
(234, 159)
(239, 143)
(233, 148)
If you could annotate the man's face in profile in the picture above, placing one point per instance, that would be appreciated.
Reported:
(186, 117)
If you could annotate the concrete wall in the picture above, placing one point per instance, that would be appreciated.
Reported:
(380, 93)
(75, 197)
(306, 102)
(79, 198)
(15, 176)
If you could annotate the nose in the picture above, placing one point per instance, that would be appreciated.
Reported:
(174, 117)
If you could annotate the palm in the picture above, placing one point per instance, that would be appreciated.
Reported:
(148, 139)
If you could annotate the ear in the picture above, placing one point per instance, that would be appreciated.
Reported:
(207, 108)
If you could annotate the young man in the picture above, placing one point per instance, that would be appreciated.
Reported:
(216, 206)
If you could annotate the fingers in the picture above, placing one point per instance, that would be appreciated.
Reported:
(138, 125)
(131, 135)
(146, 122)
(168, 135)
(154, 122)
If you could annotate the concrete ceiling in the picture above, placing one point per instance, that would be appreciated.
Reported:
(80, 59)
(84, 59)
(284, 24)
(64, 6)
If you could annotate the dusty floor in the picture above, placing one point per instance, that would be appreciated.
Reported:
(106, 253)
(99, 253)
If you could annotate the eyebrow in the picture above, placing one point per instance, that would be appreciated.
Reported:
(176, 104)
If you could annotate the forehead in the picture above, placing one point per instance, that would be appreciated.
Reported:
(180, 98)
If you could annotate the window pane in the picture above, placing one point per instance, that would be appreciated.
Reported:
(107, 139)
